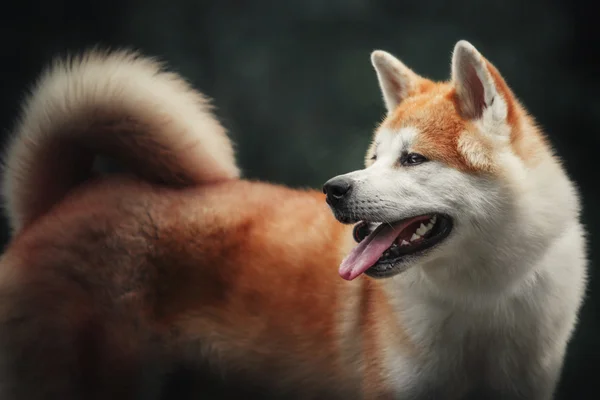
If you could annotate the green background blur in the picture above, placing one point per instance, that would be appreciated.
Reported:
(292, 81)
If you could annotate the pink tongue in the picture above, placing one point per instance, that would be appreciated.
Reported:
(366, 254)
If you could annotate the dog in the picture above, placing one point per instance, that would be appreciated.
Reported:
(178, 278)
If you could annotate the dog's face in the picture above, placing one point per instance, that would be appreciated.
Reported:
(435, 169)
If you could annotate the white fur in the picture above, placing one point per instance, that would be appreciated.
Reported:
(491, 308)
(109, 101)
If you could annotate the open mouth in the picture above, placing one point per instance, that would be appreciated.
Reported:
(386, 250)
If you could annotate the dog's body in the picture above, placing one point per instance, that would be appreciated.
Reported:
(112, 282)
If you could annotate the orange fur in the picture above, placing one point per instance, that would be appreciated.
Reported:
(260, 294)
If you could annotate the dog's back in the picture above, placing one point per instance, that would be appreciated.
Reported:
(118, 286)
(124, 277)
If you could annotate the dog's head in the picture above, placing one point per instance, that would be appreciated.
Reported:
(438, 166)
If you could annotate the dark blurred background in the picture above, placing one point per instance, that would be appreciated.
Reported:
(293, 82)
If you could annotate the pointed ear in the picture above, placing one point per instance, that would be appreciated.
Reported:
(396, 80)
(476, 88)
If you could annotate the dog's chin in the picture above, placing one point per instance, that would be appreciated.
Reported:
(345, 217)
(433, 229)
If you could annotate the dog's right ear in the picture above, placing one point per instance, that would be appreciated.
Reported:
(396, 80)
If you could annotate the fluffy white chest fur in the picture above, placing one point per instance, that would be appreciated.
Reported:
(488, 345)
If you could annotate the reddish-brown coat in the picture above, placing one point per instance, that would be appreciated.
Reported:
(248, 269)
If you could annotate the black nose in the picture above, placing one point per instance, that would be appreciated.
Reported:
(336, 188)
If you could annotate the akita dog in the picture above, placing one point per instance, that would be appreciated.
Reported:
(466, 283)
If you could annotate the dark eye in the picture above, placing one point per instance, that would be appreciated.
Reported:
(412, 159)
(374, 157)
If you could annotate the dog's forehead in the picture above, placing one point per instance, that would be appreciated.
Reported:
(389, 139)
(429, 124)
(432, 112)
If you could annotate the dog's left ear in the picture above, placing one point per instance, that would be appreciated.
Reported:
(480, 89)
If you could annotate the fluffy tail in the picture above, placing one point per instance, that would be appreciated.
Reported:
(118, 104)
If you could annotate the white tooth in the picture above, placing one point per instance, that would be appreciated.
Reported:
(430, 226)
(404, 243)
(434, 218)
(415, 237)
(422, 230)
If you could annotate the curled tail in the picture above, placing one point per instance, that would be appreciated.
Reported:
(117, 104)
